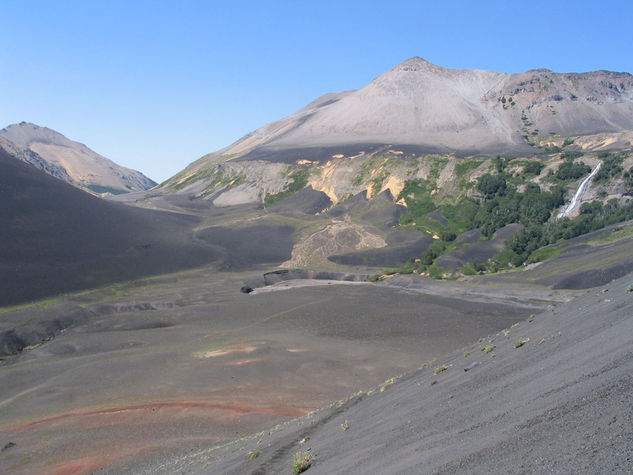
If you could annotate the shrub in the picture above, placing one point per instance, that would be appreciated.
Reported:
(533, 168)
(448, 236)
(571, 155)
(570, 170)
(491, 185)
(611, 166)
(488, 348)
(302, 462)
(521, 342)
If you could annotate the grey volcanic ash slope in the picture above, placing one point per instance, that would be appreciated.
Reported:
(56, 238)
(70, 161)
(549, 395)
(446, 110)
(467, 110)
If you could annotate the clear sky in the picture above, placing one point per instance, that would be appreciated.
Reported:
(154, 85)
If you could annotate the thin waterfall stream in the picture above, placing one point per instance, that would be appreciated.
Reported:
(579, 192)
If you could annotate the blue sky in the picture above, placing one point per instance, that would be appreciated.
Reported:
(154, 85)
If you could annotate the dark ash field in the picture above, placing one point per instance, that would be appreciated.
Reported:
(162, 366)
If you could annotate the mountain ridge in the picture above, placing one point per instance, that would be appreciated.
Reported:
(432, 109)
(70, 161)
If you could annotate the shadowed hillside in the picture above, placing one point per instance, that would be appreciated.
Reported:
(56, 238)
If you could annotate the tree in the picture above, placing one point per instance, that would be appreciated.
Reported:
(491, 185)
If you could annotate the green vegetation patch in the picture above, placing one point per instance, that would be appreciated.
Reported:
(571, 170)
(613, 236)
(417, 194)
(439, 163)
(203, 173)
(41, 304)
(501, 204)
(299, 181)
(440, 369)
(220, 180)
(302, 461)
(571, 155)
(593, 216)
(505, 259)
(205, 162)
(405, 269)
(438, 273)
(460, 216)
(464, 167)
(545, 253)
(533, 168)
(611, 166)
(377, 181)
(504, 205)
(506, 194)
(367, 167)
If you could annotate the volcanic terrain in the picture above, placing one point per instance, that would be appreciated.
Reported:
(378, 282)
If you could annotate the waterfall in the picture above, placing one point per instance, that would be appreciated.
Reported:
(579, 192)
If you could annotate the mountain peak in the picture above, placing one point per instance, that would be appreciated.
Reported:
(26, 133)
(416, 64)
(71, 161)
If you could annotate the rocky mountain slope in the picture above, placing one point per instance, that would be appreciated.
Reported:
(471, 111)
(447, 151)
(70, 161)
(423, 108)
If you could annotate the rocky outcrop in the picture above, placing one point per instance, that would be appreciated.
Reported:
(32, 158)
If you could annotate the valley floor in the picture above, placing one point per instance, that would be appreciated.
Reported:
(158, 368)
(550, 394)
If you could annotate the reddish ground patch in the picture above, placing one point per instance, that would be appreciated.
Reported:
(230, 409)
(82, 441)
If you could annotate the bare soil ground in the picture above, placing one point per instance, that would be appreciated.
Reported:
(159, 367)
(550, 394)
(147, 375)
(56, 238)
